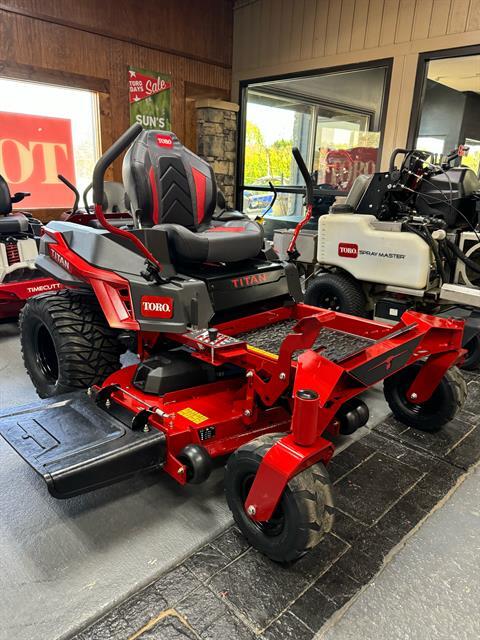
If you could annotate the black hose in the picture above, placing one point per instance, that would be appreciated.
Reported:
(433, 246)
(471, 264)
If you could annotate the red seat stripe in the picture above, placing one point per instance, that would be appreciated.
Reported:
(201, 190)
(153, 185)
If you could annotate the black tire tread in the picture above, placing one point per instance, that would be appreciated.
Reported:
(348, 286)
(454, 379)
(311, 487)
(88, 349)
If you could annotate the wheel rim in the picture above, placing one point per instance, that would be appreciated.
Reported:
(329, 301)
(429, 407)
(271, 528)
(46, 354)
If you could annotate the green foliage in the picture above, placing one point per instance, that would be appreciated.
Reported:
(264, 162)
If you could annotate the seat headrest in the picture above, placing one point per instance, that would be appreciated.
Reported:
(5, 198)
(167, 183)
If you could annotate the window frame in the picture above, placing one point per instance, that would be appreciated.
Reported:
(240, 187)
(421, 83)
(100, 86)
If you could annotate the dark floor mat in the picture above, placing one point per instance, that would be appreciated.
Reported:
(337, 344)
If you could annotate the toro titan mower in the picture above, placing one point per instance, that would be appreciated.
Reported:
(416, 245)
(231, 363)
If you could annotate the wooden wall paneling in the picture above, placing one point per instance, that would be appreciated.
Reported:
(180, 23)
(41, 50)
(263, 46)
(457, 19)
(439, 19)
(374, 23)
(345, 27)
(389, 22)
(273, 30)
(473, 20)
(406, 13)
(296, 33)
(287, 7)
(308, 29)
(241, 37)
(359, 25)
(321, 19)
(421, 22)
(333, 27)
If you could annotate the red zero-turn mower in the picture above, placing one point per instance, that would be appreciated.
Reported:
(19, 238)
(231, 363)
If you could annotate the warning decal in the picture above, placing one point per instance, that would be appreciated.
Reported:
(192, 415)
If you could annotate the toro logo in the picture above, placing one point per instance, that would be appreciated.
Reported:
(59, 259)
(164, 141)
(347, 250)
(155, 307)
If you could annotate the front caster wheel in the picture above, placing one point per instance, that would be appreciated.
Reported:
(303, 515)
(446, 400)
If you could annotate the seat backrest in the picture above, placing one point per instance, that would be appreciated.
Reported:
(5, 198)
(167, 183)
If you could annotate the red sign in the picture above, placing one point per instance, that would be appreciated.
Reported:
(33, 151)
(156, 307)
(142, 86)
(348, 250)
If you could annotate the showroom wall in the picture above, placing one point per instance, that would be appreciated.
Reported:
(277, 37)
(90, 44)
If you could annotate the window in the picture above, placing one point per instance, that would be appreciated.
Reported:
(447, 117)
(46, 130)
(335, 119)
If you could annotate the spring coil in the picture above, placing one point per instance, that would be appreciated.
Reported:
(12, 252)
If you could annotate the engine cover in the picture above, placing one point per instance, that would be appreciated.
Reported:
(373, 251)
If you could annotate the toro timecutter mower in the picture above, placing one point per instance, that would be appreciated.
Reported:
(231, 362)
(407, 238)
(19, 238)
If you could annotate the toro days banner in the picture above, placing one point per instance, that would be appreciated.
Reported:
(150, 98)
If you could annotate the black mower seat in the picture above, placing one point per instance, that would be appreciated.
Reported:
(173, 190)
(230, 241)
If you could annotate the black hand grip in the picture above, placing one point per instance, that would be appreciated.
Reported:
(73, 188)
(305, 173)
(394, 155)
(109, 156)
(85, 194)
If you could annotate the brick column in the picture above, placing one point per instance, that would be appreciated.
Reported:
(217, 141)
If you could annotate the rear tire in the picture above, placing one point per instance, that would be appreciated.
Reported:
(67, 343)
(443, 405)
(338, 292)
(303, 515)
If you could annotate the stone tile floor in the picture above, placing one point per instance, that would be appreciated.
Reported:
(385, 484)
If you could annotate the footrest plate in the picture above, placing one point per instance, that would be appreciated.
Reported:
(77, 447)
